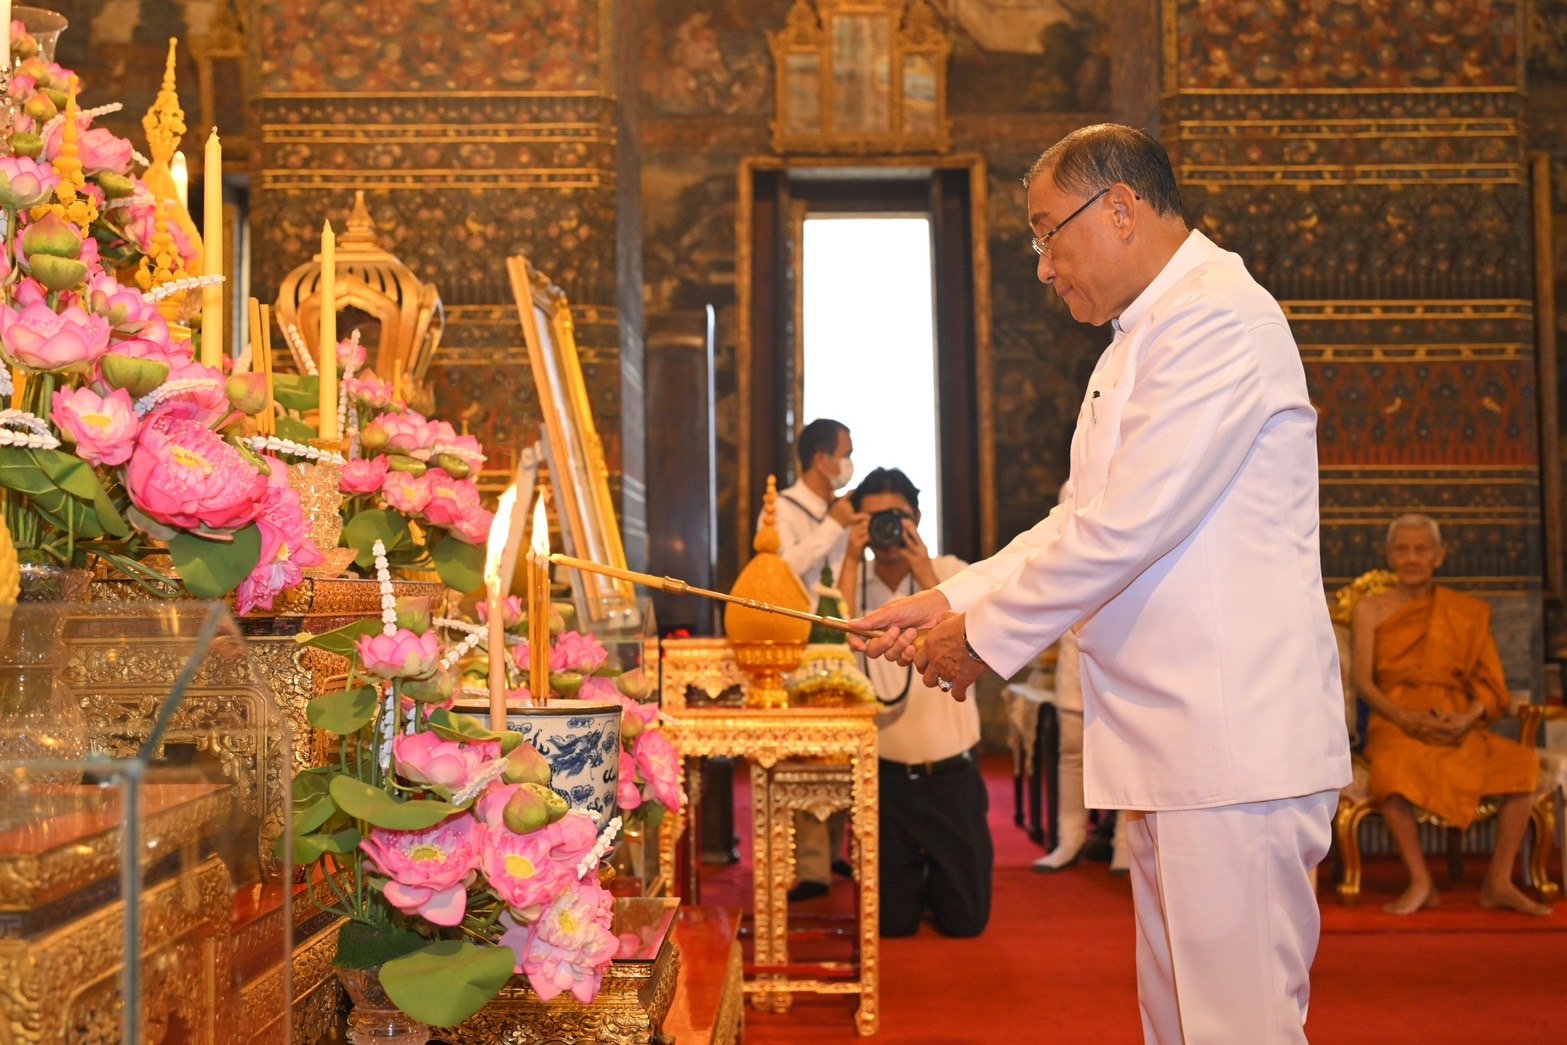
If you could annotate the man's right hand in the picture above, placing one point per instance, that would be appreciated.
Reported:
(900, 620)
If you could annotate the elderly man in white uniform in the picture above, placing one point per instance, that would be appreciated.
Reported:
(1185, 555)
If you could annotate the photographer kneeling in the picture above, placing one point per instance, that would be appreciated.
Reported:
(936, 852)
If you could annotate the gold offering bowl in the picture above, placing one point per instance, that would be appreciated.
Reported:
(765, 664)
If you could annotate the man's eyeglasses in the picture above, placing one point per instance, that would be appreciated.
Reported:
(1041, 244)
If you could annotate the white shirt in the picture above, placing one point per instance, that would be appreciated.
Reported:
(1185, 552)
(810, 538)
(927, 725)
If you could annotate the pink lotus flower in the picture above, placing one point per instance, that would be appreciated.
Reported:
(286, 548)
(184, 475)
(425, 758)
(520, 870)
(400, 655)
(125, 309)
(429, 869)
(571, 944)
(43, 339)
(475, 528)
(350, 355)
(451, 500)
(405, 493)
(407, 433)
(25, 183)
(368, 390)
(659, 764)
(100, 149)
(511, 611)
(102, 427)
(627, 795)
(571, 838)
(575, 651)
(363, 475)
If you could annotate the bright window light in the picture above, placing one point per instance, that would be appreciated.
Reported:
(869, 337)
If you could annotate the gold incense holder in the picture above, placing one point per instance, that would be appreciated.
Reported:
(765, 664)
(316, 482)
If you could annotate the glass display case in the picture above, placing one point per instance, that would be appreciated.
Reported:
(145, 890)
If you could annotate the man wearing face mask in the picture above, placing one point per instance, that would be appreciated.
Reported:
(813, 531)
(812, 521)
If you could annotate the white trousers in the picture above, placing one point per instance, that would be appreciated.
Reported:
(1227, 919)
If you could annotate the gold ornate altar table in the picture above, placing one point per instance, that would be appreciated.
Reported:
(817, 759)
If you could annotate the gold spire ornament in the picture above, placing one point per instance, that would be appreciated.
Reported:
(767, 578)
(74, 205)
(164, 125)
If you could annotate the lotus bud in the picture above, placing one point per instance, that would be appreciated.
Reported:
(634, 684)
(436, 689)
(413, 614)
(38, 69)
(40, 108)
(116, 186)
(399, 463)
(631, 727)
(526, 766)
(452, 465)
(26, 143)
(24, 46)
(566, 684)
(531, 807)
(374, 437)
(55, 95)
(57, 273)
(52, 236)
(248, 392)
(136, 376)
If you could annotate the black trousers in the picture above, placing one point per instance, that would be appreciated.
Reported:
(936, 853)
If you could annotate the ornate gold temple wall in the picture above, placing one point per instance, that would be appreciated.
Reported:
(1368, 161)
(476, 131)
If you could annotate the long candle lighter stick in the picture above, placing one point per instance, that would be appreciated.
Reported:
(676, 586)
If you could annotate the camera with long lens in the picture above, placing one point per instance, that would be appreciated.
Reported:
(886, 528)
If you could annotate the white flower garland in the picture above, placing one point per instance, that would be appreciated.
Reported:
(459, 651)
(88, 116)
(6, 388)
(383, 573)
(481, 780)
(169, 389)
(133, 200)
(296, 340)
(606, 839)
(288, 446)
(29, 431)
(388, 729)
(178, 286)
(139, 158)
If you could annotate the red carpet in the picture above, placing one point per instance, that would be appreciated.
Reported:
(1056, 964)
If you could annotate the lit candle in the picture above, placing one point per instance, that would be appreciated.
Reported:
(495, 601)
(326, 350)
(180, 171)
(212, 251)
(539, 604)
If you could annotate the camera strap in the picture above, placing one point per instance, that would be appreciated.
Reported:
(908, 672)
(813, 516)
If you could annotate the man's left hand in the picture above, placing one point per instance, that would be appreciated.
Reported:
(942, 656)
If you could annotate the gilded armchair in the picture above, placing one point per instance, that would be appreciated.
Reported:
(1355, 804)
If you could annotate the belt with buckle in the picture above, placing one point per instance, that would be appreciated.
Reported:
(920, 770)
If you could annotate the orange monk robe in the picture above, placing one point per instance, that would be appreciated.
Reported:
(1437, 654)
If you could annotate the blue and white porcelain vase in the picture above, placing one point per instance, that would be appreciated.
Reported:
(581, 742)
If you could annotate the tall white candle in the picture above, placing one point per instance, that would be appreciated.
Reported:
(501, 528)
(5, 32)
(212, 251)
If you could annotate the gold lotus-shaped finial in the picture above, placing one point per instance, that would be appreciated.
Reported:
(165, 127)
(767, 578)
(73, 205)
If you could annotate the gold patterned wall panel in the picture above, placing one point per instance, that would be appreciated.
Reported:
(1367, 161)
(476, 131)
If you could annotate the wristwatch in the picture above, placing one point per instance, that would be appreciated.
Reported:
(969, 649)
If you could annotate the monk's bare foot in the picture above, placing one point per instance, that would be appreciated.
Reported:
(1419, 895)
(1507, 897)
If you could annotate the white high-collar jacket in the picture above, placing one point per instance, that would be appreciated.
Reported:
(1185, 551)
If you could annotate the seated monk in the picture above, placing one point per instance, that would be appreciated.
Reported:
(1425, 662)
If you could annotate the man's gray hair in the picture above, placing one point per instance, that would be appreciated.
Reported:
(1411, 519)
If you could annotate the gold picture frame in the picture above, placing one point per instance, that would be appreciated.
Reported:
(578, 472)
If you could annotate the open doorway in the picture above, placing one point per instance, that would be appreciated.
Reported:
(899, 252)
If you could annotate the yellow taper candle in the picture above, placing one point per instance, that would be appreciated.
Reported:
(326, 349)
(539, 604)
(212, 252)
